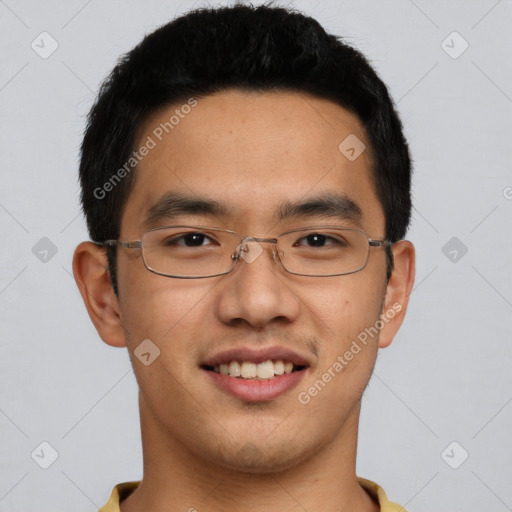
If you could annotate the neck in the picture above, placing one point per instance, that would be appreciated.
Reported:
(177, 479)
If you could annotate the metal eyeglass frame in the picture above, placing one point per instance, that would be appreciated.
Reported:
(236, 256)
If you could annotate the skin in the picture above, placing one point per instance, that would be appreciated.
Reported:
(202, 447)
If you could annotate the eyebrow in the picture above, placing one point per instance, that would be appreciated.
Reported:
(173, 205)
(328, 204)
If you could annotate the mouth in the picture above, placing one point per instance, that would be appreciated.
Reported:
(248, 370)
(256, 375)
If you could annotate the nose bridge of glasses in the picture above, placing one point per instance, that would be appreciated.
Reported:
(249, 248)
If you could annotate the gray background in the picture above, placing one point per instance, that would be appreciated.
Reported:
(447, 376)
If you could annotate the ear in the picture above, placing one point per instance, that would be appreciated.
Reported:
(398, 291)
(93, 281)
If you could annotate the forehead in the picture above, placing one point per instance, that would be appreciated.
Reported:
(253, 152)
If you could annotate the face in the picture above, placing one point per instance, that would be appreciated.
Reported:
(254, 154)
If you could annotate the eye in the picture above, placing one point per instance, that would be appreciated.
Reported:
(320, 240)
(188, 240)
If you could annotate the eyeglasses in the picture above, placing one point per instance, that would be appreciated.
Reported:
(192, 252)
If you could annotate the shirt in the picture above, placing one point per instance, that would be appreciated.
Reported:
(122, 491)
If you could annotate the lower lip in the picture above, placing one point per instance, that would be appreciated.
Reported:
(250, 390)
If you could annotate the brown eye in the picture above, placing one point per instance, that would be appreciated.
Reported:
(319, 240)
(187, 240)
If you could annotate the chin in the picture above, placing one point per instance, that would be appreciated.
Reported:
(263, 459)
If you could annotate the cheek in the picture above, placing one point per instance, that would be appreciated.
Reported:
(345, 306)
(171, 314)
(345, 314)
(158, 308)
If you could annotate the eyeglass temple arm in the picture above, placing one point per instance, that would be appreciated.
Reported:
(379, 243)
(137, 244)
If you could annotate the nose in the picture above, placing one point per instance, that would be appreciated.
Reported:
(256, 292)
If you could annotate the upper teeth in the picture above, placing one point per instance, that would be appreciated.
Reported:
(249, 370)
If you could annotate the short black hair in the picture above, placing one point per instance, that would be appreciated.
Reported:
(208, 50)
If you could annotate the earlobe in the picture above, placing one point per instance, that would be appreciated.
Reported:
(93, 281)
(398, 291)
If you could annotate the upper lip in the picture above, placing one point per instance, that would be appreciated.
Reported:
(257, 356)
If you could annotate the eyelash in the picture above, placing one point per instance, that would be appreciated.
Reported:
(179, 238)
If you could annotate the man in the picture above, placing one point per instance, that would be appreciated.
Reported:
(246, 184)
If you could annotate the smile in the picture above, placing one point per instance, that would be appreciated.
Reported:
(264, 370)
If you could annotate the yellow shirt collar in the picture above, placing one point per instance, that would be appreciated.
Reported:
(122, 491)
